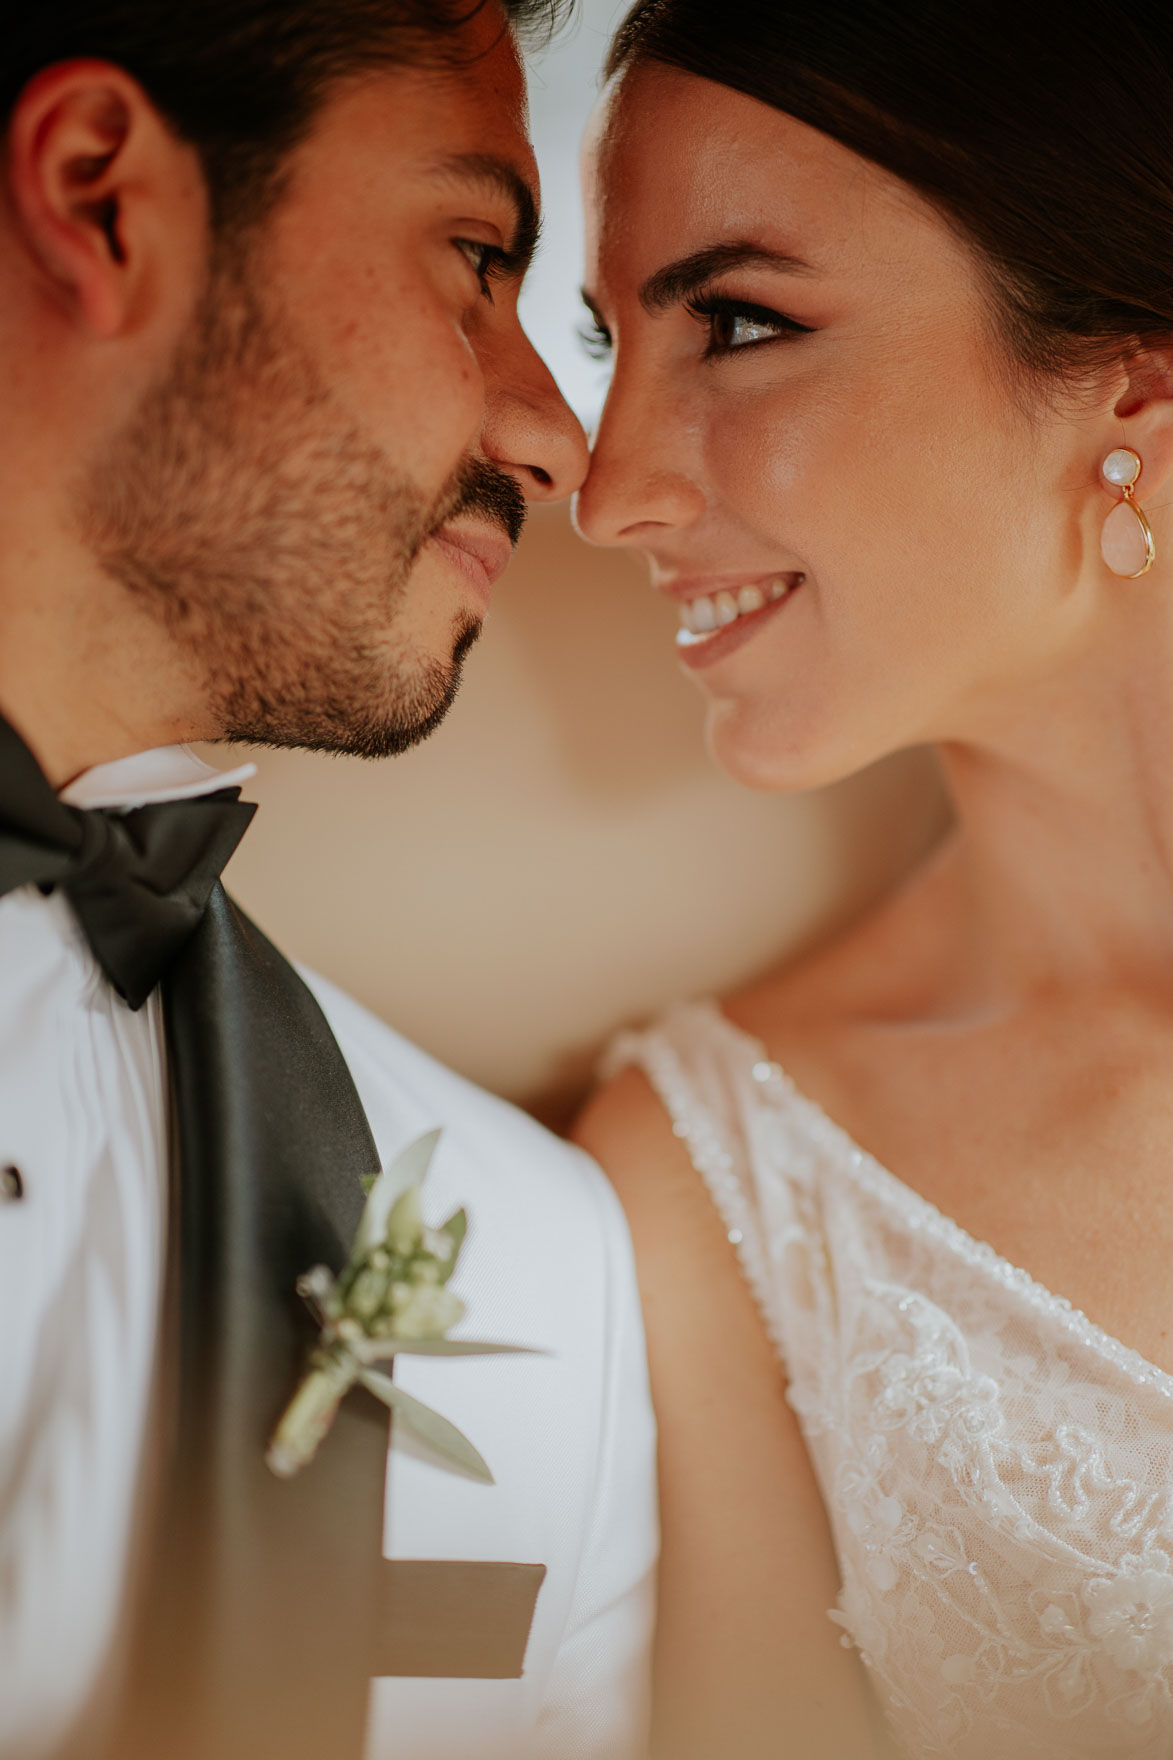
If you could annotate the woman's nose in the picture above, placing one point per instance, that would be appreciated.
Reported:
(638, 482)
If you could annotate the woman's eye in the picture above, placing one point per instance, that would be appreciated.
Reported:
(487, 260)
(733, 325)
(596, 341)
(736, 329)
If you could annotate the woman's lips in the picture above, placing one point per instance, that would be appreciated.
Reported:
(479, 552)
(717, 618)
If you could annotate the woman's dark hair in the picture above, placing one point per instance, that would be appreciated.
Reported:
(241, 80)
(1043, 132)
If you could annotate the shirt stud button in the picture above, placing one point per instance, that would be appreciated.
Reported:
(11, 1185)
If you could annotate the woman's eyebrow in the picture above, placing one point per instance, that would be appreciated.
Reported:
(675, 282)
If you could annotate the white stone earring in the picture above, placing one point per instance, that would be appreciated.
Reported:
(1126, 541)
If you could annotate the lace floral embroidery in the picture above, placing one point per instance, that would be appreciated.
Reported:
(998, 1472)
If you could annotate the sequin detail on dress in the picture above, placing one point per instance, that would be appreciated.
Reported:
(998, 1470)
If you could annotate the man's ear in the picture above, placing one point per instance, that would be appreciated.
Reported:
(1145, 408)
(103, 193)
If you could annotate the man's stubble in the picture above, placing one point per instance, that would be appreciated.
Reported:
(275, 541)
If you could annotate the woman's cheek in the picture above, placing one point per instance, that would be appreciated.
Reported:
(787, 449)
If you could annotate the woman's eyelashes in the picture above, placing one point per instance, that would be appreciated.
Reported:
(732, 324)
(736, 324)
(595, 339)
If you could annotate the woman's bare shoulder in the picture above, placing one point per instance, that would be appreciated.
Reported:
(623, 1111)
(625, 1127)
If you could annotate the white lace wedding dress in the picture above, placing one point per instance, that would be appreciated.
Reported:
(998, 1471)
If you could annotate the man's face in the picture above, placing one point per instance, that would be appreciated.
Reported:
(320, 491)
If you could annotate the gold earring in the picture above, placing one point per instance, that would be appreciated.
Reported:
(1126, 541)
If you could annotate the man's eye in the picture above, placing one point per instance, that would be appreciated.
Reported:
(488, 261)
(734, 325)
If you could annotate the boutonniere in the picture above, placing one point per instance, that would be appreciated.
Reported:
(392, 1299)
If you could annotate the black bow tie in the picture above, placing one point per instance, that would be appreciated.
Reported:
(139, 881)
(259, 1599)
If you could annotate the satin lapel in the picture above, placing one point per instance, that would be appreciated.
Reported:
(267, 1592)
(268, 1605)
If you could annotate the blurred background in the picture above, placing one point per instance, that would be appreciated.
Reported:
(562, 856)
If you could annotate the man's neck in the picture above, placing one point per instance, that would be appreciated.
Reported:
(87, 676)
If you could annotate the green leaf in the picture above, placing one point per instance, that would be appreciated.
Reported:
(428, 1425)
(405, 1224)
(408, 1169)
(383, 1349)
(455, 1228)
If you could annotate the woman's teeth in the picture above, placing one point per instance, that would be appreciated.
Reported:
(704, 617)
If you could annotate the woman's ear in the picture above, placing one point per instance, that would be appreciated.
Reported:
(1145, 410)
(103, 194)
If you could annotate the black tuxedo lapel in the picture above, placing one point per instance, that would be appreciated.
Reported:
(261, 1606)
(265, 1604)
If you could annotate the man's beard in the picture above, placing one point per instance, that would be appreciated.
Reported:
(276, 541)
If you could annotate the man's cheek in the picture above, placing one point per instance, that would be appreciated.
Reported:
(434, 406)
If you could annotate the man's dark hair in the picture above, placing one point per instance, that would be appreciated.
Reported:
(241, 80)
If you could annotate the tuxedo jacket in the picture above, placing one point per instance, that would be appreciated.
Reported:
(568, 1434)
(382, 1601)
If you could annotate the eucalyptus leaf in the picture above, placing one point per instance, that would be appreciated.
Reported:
(455, 1228)
(405, 1224)
(378, 1350)
(408, 1169)
(441, 1436)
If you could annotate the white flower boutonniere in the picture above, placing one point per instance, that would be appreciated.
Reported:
(392, 1298)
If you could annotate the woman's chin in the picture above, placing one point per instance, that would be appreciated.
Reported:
(782, 760)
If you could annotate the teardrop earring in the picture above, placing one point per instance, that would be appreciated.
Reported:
(1126, 541)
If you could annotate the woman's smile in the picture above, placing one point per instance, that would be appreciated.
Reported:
(714, 624)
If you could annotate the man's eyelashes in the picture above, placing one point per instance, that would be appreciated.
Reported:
(489, 262)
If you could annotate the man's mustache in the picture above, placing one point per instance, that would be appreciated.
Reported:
(484, 489)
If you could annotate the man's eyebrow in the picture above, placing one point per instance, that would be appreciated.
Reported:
(503, 179)
(675, 282)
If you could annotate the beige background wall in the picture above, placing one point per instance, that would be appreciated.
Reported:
(562, 855)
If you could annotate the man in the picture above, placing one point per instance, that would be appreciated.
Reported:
(270, 425)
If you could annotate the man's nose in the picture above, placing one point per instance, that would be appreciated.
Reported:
(530, 430)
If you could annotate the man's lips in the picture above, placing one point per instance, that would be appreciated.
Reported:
(481, 553)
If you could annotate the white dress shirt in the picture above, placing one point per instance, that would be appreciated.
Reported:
(569, 1435)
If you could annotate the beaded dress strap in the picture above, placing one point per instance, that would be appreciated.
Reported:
(675, 1055)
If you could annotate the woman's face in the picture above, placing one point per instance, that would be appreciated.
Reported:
(811, 423)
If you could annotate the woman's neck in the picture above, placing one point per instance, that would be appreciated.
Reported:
(1063, 854)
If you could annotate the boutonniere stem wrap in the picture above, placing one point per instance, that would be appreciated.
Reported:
(391, 1299)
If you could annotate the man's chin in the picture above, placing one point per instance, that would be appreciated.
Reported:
(398, 733)
(345, 724)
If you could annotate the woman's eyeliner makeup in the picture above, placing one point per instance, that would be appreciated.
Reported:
(718, 310)
(713, 310)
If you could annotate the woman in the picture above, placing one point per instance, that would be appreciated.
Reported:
(889, 290)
